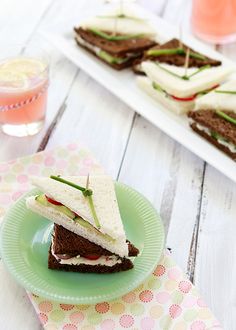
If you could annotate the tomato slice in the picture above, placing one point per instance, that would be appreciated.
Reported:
(213, 87)
(192, 97)
(92, 256)
(189, 98)
(50, 200)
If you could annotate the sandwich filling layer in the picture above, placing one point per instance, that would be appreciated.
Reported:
(221, 140)
(185, 83)
(109, 58)
(181, 99)
(48, 202)
(78, 260)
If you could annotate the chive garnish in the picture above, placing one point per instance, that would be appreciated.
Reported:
(92, 208)
(226, 117)
(204, 67)
(184, 77)
(91, 205)
(174, 51)
(85, 191)
(225, 92)
(115, 38)
(168, 71)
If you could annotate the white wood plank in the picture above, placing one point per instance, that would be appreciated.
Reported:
(96, 118)
(170, 177)
(18, 19)
(16, 312)
(16, 309)
(216, 254)
(62, 73)
(215, 260)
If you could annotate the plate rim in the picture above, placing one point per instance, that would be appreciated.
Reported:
(28, 285)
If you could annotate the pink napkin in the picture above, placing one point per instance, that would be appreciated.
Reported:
(166, 300)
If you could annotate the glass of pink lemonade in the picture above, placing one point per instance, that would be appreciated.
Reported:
(214, 20)
(23, 92)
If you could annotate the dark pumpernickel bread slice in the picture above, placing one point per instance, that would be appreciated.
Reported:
(126, 264)
(213, 141)
(66, 242)
(118, 48)
(178, 60)
(214, 122)
(116, 66)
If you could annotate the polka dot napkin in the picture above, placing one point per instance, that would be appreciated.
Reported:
(167, 300)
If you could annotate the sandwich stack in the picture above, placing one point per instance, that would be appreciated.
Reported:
(170, 82)
(117, 38)
(214, 118)
(88, 232)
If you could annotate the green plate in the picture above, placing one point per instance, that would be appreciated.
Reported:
(25, 240)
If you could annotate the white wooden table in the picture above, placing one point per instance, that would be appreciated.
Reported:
(196, 202)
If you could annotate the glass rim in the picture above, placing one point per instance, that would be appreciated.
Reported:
(35, 52)
(21, 47)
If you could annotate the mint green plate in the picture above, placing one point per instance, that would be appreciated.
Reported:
(25, 240)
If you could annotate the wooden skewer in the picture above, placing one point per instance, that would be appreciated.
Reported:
(180, 37)
(186, 63)
(87, 182)
(121, 7)
(115, 26)
(116, 19)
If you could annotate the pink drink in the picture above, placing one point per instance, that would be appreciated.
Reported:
(214, 20)
(23, 95)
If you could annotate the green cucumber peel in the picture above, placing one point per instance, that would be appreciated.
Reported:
(174, 51)
(204, 67)
(215, 135)
(111, 59)
(157, 87)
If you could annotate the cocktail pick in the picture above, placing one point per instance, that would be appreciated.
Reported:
(180, 37)
(186, 63)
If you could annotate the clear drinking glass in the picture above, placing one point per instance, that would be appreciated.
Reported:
(214, 20)
(24, 79)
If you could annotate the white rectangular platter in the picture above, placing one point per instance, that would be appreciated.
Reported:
(123, 85)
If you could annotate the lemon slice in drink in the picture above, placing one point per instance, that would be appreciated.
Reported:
(9, 79)
(28, 66)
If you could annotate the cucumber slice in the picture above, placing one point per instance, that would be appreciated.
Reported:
(42, 200)
(65, 210)
(87, 225)
(111, 59)
(84, 223)
(61, 208)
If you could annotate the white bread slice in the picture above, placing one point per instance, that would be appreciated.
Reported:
(123, 26)
(183, 88)
(104, 199)
(219, 101)
(119, 247)
(178, 107)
